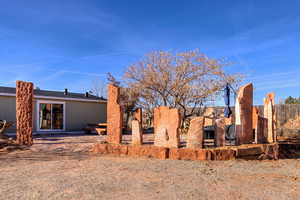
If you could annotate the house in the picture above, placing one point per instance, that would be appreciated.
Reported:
(56, 111)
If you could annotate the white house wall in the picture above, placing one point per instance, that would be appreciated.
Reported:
(78, 113)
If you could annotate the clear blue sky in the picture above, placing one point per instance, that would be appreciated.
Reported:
(61, 44)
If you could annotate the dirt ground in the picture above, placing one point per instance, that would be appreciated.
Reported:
(61, 168)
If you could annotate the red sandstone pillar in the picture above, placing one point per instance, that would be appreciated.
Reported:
(137, 133)
(114, 116)
(243, 115)
(166, 127)
(195, 133)
(261, 130)
(24, 115)
(220, 132)
(269, 114)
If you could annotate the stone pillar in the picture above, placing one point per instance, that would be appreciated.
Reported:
(261, 130)
(243, 115)
(138, 115)
(24, 115)
(220, 132)
(195, 133)
(166, 127)
(269, 114)
(255, 115)
(114, 116)
(137, 133)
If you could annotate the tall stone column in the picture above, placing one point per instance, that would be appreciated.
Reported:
(24, 115)
(195, 133)
(269, 114)
(243, 115)
(166, 127)
(220, 132)
(114, 116)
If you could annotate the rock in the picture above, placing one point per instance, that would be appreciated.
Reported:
(201, 154)
(24, 112)
(195, 133)
(114, 116)
(249, 151)
(222, 154)
(183, 154)
(148, 151)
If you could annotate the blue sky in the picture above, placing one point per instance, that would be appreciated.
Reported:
(67, 44)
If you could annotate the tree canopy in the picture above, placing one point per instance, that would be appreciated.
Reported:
(292, 100)
(186, 81)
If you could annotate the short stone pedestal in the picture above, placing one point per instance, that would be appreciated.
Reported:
(137, 133)
(166, 127)
(220, 132)
(195, 133)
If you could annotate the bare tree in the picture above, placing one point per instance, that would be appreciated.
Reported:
(187, 81)
(112, 80)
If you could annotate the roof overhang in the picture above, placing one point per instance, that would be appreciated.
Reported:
(57, 98)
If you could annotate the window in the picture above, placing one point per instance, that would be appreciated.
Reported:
(51, 116)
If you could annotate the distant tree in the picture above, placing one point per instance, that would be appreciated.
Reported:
(187, 81)
(292, 100)
(98, 88)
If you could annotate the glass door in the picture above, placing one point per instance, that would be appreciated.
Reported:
(51, 116)
(57, 116)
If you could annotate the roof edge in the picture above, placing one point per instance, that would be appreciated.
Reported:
(58, 98)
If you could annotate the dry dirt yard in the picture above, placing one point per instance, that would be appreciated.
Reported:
(61, 168)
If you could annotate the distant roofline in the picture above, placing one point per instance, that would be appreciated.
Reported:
(55, 95)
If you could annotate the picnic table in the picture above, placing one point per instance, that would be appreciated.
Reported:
(100, 128)
(4, 125)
